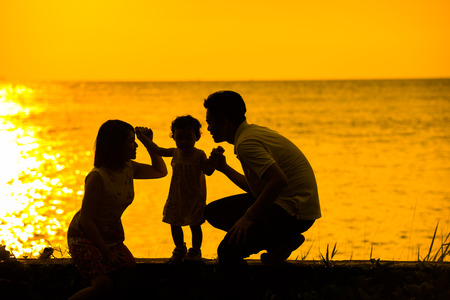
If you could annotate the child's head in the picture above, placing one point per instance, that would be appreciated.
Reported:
(185, 131)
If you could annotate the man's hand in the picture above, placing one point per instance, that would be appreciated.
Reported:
(239, 231)
(219, 158)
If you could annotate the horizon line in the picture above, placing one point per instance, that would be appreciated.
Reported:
(2, 79)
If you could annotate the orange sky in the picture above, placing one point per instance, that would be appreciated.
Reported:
(223, 40)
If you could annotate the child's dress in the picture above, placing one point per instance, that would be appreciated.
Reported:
(186, 202)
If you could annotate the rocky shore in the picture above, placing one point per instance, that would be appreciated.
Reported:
(155, 279)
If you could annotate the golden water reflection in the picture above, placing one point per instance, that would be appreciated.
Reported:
(382, 176)
(29, 188)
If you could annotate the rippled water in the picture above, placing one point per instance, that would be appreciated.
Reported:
(380, 150)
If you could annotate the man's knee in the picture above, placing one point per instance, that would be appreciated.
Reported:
(232, 254)
(213, 215)
(207, 213)
(227, 253)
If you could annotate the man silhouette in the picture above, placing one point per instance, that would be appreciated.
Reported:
(281, 201)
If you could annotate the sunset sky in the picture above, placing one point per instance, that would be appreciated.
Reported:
(223, 40)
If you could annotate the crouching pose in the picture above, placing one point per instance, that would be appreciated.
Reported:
(95, 235)
(281, 201)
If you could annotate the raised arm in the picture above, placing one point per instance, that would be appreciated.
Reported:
(209, 165)
(158, 167)
(145, 135)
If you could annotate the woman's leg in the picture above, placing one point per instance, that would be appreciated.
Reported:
(123, 280)
(101, 288)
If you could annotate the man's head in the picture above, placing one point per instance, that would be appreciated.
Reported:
(225, 111)
(226, 104)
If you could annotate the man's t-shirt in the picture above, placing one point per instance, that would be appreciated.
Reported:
(257, 148)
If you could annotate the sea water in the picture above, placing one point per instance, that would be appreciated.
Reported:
(380, 150)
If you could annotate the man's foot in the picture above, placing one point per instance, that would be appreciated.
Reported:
(178, 255)
(283, 251)
(194, 255)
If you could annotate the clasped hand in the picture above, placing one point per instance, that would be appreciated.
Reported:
(144, 133)
(217, 155)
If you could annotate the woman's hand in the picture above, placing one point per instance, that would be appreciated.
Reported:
(114, 258)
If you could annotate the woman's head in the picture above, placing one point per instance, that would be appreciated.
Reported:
(185, 131)
(115, 144)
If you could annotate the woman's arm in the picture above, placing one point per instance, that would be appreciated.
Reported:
(145, 135)
(145, 171)
(158, 167)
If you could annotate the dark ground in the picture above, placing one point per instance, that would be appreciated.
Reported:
(155, 279)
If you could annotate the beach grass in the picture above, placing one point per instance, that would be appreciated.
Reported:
(441, 254)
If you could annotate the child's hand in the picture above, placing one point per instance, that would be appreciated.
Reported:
(144, 133)
(218, 158)
(218, 151)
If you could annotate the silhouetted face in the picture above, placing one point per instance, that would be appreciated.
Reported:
(215, 127)
(130, 146)
(184, 138)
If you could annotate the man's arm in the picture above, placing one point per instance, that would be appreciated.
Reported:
(222, 166)
(236, 177)
(276, 182)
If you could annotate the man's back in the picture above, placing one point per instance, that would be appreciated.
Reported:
(258, 148)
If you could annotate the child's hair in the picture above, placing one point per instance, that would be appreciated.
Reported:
(186, 122)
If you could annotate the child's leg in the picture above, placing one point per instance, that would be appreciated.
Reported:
(197, 236)
(177, 235)
(180, 250)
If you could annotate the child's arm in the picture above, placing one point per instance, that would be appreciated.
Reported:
(147, 140)
(209, 165)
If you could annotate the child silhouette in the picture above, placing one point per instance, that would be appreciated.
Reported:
(187, 194)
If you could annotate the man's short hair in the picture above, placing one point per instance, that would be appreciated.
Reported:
(226, 104)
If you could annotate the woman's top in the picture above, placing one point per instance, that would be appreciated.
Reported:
(118, 193)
